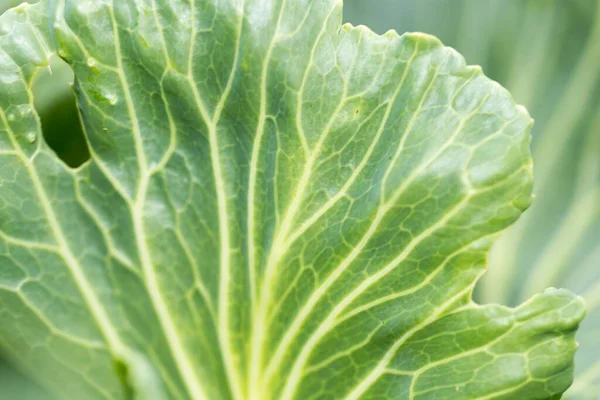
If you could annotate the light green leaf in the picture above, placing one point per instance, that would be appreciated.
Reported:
(554, 73)
(276, 207)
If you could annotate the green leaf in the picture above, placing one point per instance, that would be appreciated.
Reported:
(276, 206)
(554, 73)
(15, 385)
(563, 228)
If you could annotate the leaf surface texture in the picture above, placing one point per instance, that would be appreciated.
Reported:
(276, 206)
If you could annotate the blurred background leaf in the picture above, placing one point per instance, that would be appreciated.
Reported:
(547, 53)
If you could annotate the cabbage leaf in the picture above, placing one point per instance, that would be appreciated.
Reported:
(276, 206)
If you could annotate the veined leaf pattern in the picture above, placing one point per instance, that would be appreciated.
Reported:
(557, 242)
(276, 206)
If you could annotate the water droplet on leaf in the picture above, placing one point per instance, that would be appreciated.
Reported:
(23, 110)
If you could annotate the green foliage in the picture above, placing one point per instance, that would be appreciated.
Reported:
(275, 206)
(547, 52)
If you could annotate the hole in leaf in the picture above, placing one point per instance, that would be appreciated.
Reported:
(55, 103)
